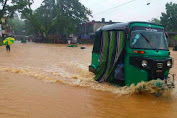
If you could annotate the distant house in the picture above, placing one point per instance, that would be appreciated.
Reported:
(87, 30)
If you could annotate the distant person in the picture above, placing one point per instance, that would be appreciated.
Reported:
(69, 42)
(8, 48)
(28, 39)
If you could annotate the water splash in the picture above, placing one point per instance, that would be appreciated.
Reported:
(85, 79)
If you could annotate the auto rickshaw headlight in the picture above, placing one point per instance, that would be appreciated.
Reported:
(169, 63)
(144, 63)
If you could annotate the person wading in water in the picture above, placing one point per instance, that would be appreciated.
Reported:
(8, 48)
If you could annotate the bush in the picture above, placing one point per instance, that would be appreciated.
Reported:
(1, 43)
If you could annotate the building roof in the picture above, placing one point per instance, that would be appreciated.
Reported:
(122, 26)
(116, 26)
(108, 22)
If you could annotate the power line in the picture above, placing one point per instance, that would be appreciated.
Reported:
(115, 7)
(115, 2)
(134, 7)
(137, 6)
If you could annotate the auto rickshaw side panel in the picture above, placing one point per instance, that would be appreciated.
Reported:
(96, 52)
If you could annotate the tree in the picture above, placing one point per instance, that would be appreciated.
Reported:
(8, 7)
(73, 13)
(16, 25)
(169, 19)
(56, 17)
(155, 20)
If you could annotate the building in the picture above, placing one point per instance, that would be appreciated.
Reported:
(87, 30)
(5, 29)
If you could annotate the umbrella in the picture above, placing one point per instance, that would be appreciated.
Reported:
(9, 41)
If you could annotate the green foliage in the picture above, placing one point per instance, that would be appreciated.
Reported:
(16, 25)
(1, 44)
(169, 19)
(8, 7)
(56, 17)
(175, 37)
(1, 41)
(155, 20)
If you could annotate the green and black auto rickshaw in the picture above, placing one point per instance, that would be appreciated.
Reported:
(129, 53)
(23, 40)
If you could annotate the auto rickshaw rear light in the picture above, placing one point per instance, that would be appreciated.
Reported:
(138, 52)
(169, 53)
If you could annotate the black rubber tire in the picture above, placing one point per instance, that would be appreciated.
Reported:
(82, 47)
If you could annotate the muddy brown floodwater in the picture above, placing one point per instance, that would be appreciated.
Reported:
(52, 81)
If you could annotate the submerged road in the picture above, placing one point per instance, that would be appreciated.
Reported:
(45, 80)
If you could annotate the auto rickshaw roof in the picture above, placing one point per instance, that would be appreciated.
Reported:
(122, 26)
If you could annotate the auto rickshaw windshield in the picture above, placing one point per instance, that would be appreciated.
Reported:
(142, 39)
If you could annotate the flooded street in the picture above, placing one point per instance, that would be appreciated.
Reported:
(52, 81)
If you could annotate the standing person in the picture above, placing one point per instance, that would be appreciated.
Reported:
(8, 41)
(8, 48)
(69, 41)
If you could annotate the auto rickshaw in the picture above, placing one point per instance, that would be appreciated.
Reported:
(23, 40)
(129, 53)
